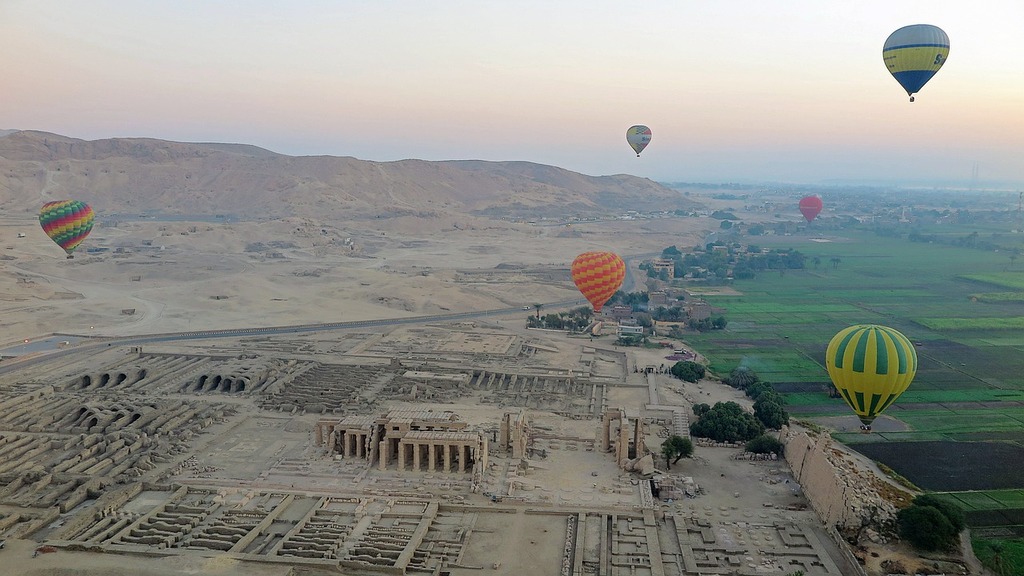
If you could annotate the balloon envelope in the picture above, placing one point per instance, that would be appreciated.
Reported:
(66, 222)
(810, 207)
(598, 275)
(871, 366)
(913, 54)
(639, 137)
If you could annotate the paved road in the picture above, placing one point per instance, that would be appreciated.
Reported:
(39, 355)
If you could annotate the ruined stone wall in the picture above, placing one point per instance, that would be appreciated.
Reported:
(105, 504)
(842, 493)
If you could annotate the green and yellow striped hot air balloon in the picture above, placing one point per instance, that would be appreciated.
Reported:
(871, 366)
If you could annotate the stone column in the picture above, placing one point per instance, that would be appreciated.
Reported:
(504, 437)
(416, 456)
(606, 424)
(463, 457)
(431, 456)
(385, 454)
(622, 444)
(481, 455)
(346, 440)
(401, 456)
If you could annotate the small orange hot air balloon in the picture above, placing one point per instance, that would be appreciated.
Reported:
(598, 275)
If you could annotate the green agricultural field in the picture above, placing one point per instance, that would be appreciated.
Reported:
(970, 381)
(1003, 557)
(780, 325)
(1014, 280)
(977, 323)
(999, 297)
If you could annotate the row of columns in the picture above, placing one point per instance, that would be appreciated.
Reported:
(353, 444)
(440, 457)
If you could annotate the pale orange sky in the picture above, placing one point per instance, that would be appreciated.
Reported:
(737, 90)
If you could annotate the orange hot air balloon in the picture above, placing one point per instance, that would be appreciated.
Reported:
(598, 275)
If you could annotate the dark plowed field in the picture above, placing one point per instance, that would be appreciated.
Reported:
(951, 466)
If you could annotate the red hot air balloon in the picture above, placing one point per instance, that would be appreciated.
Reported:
(810, 207)
(598, 275)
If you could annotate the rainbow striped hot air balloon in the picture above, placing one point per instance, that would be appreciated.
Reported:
(66, 222)
(913, 54)
(871, 366)
(598, 275)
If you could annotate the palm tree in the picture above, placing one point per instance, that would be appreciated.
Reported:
(537, 307)
(835, 261)
(817, 262)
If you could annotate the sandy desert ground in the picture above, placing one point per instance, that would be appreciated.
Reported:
(180, 276)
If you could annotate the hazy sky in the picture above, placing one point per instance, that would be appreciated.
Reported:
(790, 90)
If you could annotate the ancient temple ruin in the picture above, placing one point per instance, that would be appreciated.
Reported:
(409, 439)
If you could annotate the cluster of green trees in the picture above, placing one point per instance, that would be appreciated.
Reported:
(769, 405)
(574, 320)
(688, 371)
(637, 301)
(669, 314)
(705, 324)
(777, 259)
(717, 258)
(930, 523)
(729, 422)
(725, 422)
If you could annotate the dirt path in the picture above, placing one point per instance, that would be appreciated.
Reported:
(974, 566)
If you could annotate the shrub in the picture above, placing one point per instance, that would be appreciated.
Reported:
(769, 411)
(951, 511)
(765, 444)
(688, 371)
(925, 527)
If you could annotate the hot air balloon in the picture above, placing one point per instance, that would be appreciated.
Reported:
(913, 54)
(598, 275)
(871, 366)
(810, 207)
(66, 222)
(639, 137)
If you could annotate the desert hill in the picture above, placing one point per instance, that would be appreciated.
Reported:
(135, 175)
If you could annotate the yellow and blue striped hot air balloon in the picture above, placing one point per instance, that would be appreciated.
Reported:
(913, 54)
(871, 366)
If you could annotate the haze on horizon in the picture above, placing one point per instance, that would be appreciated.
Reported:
(733, 91)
